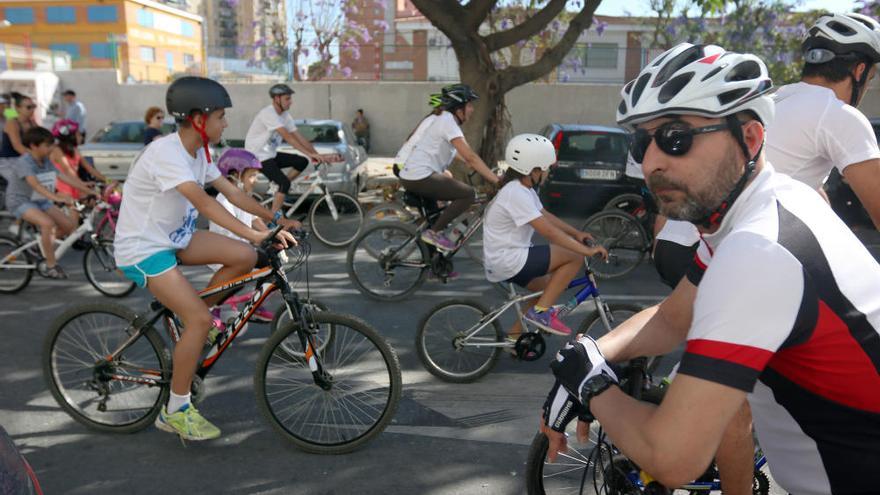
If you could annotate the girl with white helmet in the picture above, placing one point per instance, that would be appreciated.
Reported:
(511, 219)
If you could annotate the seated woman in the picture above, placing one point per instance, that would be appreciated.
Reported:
(511, 219)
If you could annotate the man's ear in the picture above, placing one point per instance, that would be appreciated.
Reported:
(753, 133)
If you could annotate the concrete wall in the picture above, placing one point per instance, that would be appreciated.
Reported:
(393, 108)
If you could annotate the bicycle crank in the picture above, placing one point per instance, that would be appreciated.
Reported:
(530, 346)
(442, 267)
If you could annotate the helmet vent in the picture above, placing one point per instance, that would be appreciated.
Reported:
(621, 109)
(731, 96)
(640, 86)
(841, 29)
(629, 86)
(684, 58)
(674, 86)
(711, 73)
(744, 71)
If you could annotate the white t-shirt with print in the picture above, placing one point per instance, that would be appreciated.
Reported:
(262, 139)
(242, 216)
(410, 143)
(154, 216)
(507, 235)
(434, 151)
(814, 131)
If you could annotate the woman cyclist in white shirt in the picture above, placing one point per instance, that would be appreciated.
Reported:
(423, 172)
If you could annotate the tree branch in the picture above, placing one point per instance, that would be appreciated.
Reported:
(516, 76)
(447, 16)
(478, 10)
(527, 29)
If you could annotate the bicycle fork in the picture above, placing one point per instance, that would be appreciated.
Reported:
(307, 334)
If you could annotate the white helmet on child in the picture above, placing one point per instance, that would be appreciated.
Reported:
(527, 152)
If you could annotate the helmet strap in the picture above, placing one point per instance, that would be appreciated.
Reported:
(714, 219)
(857, 85)
(202, 133)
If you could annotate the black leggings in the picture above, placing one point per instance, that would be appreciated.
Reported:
(442, 187)
(272, 168)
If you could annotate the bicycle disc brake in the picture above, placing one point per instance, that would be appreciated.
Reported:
(441, 266)
(197, 390)
(530, 346)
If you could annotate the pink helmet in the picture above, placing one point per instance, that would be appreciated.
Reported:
(237, 160)
(65, 127)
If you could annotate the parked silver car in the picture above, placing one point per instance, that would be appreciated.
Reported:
(116, 145)
(328, 137)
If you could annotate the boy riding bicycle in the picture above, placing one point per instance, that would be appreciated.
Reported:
(511, 220)
(162, 196)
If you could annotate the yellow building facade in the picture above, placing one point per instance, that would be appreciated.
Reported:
(145, 40)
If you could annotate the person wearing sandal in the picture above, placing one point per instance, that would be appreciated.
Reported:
(31, 191)
(513, 216)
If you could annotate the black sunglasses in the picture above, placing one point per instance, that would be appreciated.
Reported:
(673, 138)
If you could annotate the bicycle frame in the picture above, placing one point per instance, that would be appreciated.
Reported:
(316, 185)
(422, 225)
(62, 246)
(268, 280)
(588, 289)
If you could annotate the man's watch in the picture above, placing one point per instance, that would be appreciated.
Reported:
(594, 386)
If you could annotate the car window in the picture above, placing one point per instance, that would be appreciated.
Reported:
(121, 132)
(593, 147)
(319, 133)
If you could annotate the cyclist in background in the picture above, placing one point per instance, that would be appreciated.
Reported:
(272, 126)
(162, 197)
(433, 153)
(435, 101)
(781, 309)
(511, 219)
(817, 126)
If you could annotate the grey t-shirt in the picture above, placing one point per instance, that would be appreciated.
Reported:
(77, 112)
(19, 191)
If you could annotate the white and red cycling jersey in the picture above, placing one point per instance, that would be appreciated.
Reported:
(788, 309)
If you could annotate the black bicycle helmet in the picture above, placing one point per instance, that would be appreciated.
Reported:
(457, 95)
(195, 93)
(280, 90)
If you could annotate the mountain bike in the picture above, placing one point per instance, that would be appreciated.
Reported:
(335, 217)
(389, 261)
(601, 468)
(460, 340)
(328, 392)
(21, 254)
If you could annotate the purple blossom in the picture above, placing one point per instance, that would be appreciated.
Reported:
(381, 25)
(346, 72)
(505, 24)
(600, 27)
(305, 52)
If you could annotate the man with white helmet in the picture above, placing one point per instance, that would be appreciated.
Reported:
(510, 221)
(781, 306)
(817, 126)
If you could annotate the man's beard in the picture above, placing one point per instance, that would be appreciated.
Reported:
(697, 206)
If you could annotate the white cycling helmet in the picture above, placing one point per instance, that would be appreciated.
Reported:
(842, 34)
(527, 152)
(704, 80)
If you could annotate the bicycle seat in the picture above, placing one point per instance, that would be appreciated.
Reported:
(414, 200)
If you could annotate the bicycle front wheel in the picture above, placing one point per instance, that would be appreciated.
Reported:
(362, 389)
(336, 221)
(100, 269)
(454, 346)
(311, 306)
(624, 238)
(13, 277)
(388, 261)
(123, 395)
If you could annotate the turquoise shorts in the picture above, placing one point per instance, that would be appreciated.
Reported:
(152, 266)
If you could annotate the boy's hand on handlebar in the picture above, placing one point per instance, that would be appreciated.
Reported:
(289, 224)
(598, 251)
(585, 238)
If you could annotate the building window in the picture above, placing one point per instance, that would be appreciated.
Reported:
(60, 15)
(188, 59)
(101, 50)
(20, 15)
(70, 48)
(102, 13)
(169, 61)
(148, 54)
(187, 29)
(145, 18)
(601, 56)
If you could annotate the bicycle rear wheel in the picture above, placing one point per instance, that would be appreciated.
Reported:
(474, 246)
(388, 261)
(78, 375)
(100, 269)
(341, 230)
(13, 278)
(624, 238)
(389, 211)
(363, 395)
(448, 350)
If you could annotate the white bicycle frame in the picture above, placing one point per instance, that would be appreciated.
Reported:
(62, 246)
(317, 184)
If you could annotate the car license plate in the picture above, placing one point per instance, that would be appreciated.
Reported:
(591, 174)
